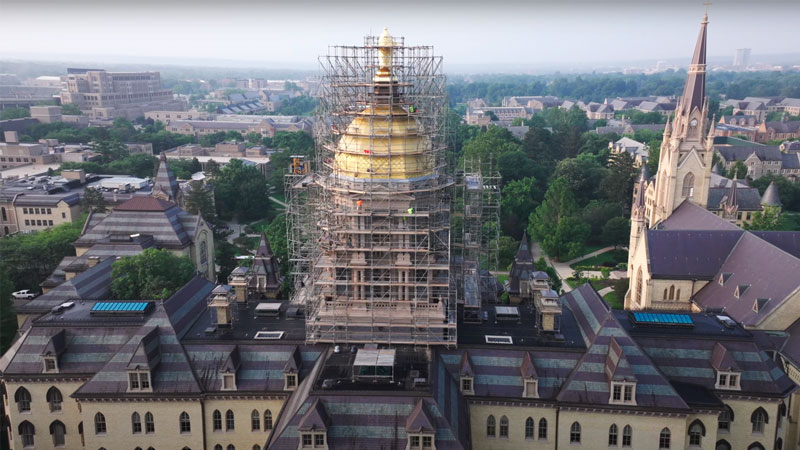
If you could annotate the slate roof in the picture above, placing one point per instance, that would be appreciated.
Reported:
(689, 254)
(260, 365)
(523, 266)
(742, 152)
(92, 284)
(373, 419)
(589, 382)
(775, 279)
(690, 358)
(165, 181)
(784, 127)
(748, 199)
(157, 343)
(771, 195)
(170, 226)
(689, 216)
(790, 160)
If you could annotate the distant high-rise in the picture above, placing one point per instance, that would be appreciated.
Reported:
(742, 58)
(112, 94)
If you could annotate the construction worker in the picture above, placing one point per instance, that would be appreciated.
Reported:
(359, 203)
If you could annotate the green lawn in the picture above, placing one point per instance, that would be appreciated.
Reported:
(614, 301)
(589, 248)
(260, 225)
(614, 256)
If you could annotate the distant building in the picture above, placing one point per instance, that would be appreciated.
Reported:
(107, 95)
(742, 58)
(14, 153)
(222, 154)
(636, 149)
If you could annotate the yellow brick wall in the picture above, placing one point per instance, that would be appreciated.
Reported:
(517, 416)
(40, 415)
(242, 437)
(166, 415)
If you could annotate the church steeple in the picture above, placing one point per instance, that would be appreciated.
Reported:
(684, 168)
(694, 92)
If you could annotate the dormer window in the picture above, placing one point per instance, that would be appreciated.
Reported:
(623, 393)
(290, 382)
(740, 290)
(531, 389)
(420, 441)
(728, 380)
(139, 380)
(313, 440)
(50, 364)
(228, 381)
(467, 386)
(723, 278)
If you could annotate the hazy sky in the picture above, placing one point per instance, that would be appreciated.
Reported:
(484, 34)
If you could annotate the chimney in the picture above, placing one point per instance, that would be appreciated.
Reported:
(12, 137)
(93, 260)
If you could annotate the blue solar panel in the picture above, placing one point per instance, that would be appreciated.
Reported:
(662, 318)
(120, 307)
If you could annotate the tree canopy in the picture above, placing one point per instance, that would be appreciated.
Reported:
(153, 274)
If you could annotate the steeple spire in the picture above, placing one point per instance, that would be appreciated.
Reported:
(694, 92)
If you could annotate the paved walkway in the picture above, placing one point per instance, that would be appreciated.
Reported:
(589, 255)
(563, 269)
(278, 201)
(605, 290)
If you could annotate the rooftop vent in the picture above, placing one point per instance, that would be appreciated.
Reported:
(726, 321)
(506, 340)
(269, 335)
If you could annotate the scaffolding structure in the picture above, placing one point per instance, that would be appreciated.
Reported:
(477, 209)
(369, 227)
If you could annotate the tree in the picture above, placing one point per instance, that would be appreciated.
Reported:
(518, 200)
(210, 140)
(556, 224)
(93, 201)
(71, 109)
(555, 280)
(597, 213)
(183, 168)
(582, 174)
(241, 192)
(492, 116)
(8, 319)
(770, 219)
(224, 259)
(110, 151)
(617, 231)
(489, 145)
(276, 234)
(14, 113)
(153, 274)
(253, 137)
(515, 165)
(507, 250)
(200, 200)
(27, 259)
(653, 155)
(618, 183)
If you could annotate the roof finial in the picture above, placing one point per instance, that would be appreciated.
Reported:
(705, 17)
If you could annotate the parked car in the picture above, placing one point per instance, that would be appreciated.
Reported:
(23, 294)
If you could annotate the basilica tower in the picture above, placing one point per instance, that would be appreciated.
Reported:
(684, 167)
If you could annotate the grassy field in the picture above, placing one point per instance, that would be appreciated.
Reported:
(614, 256)
(613, 300)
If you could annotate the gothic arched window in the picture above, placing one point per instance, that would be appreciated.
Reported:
(688, 185)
